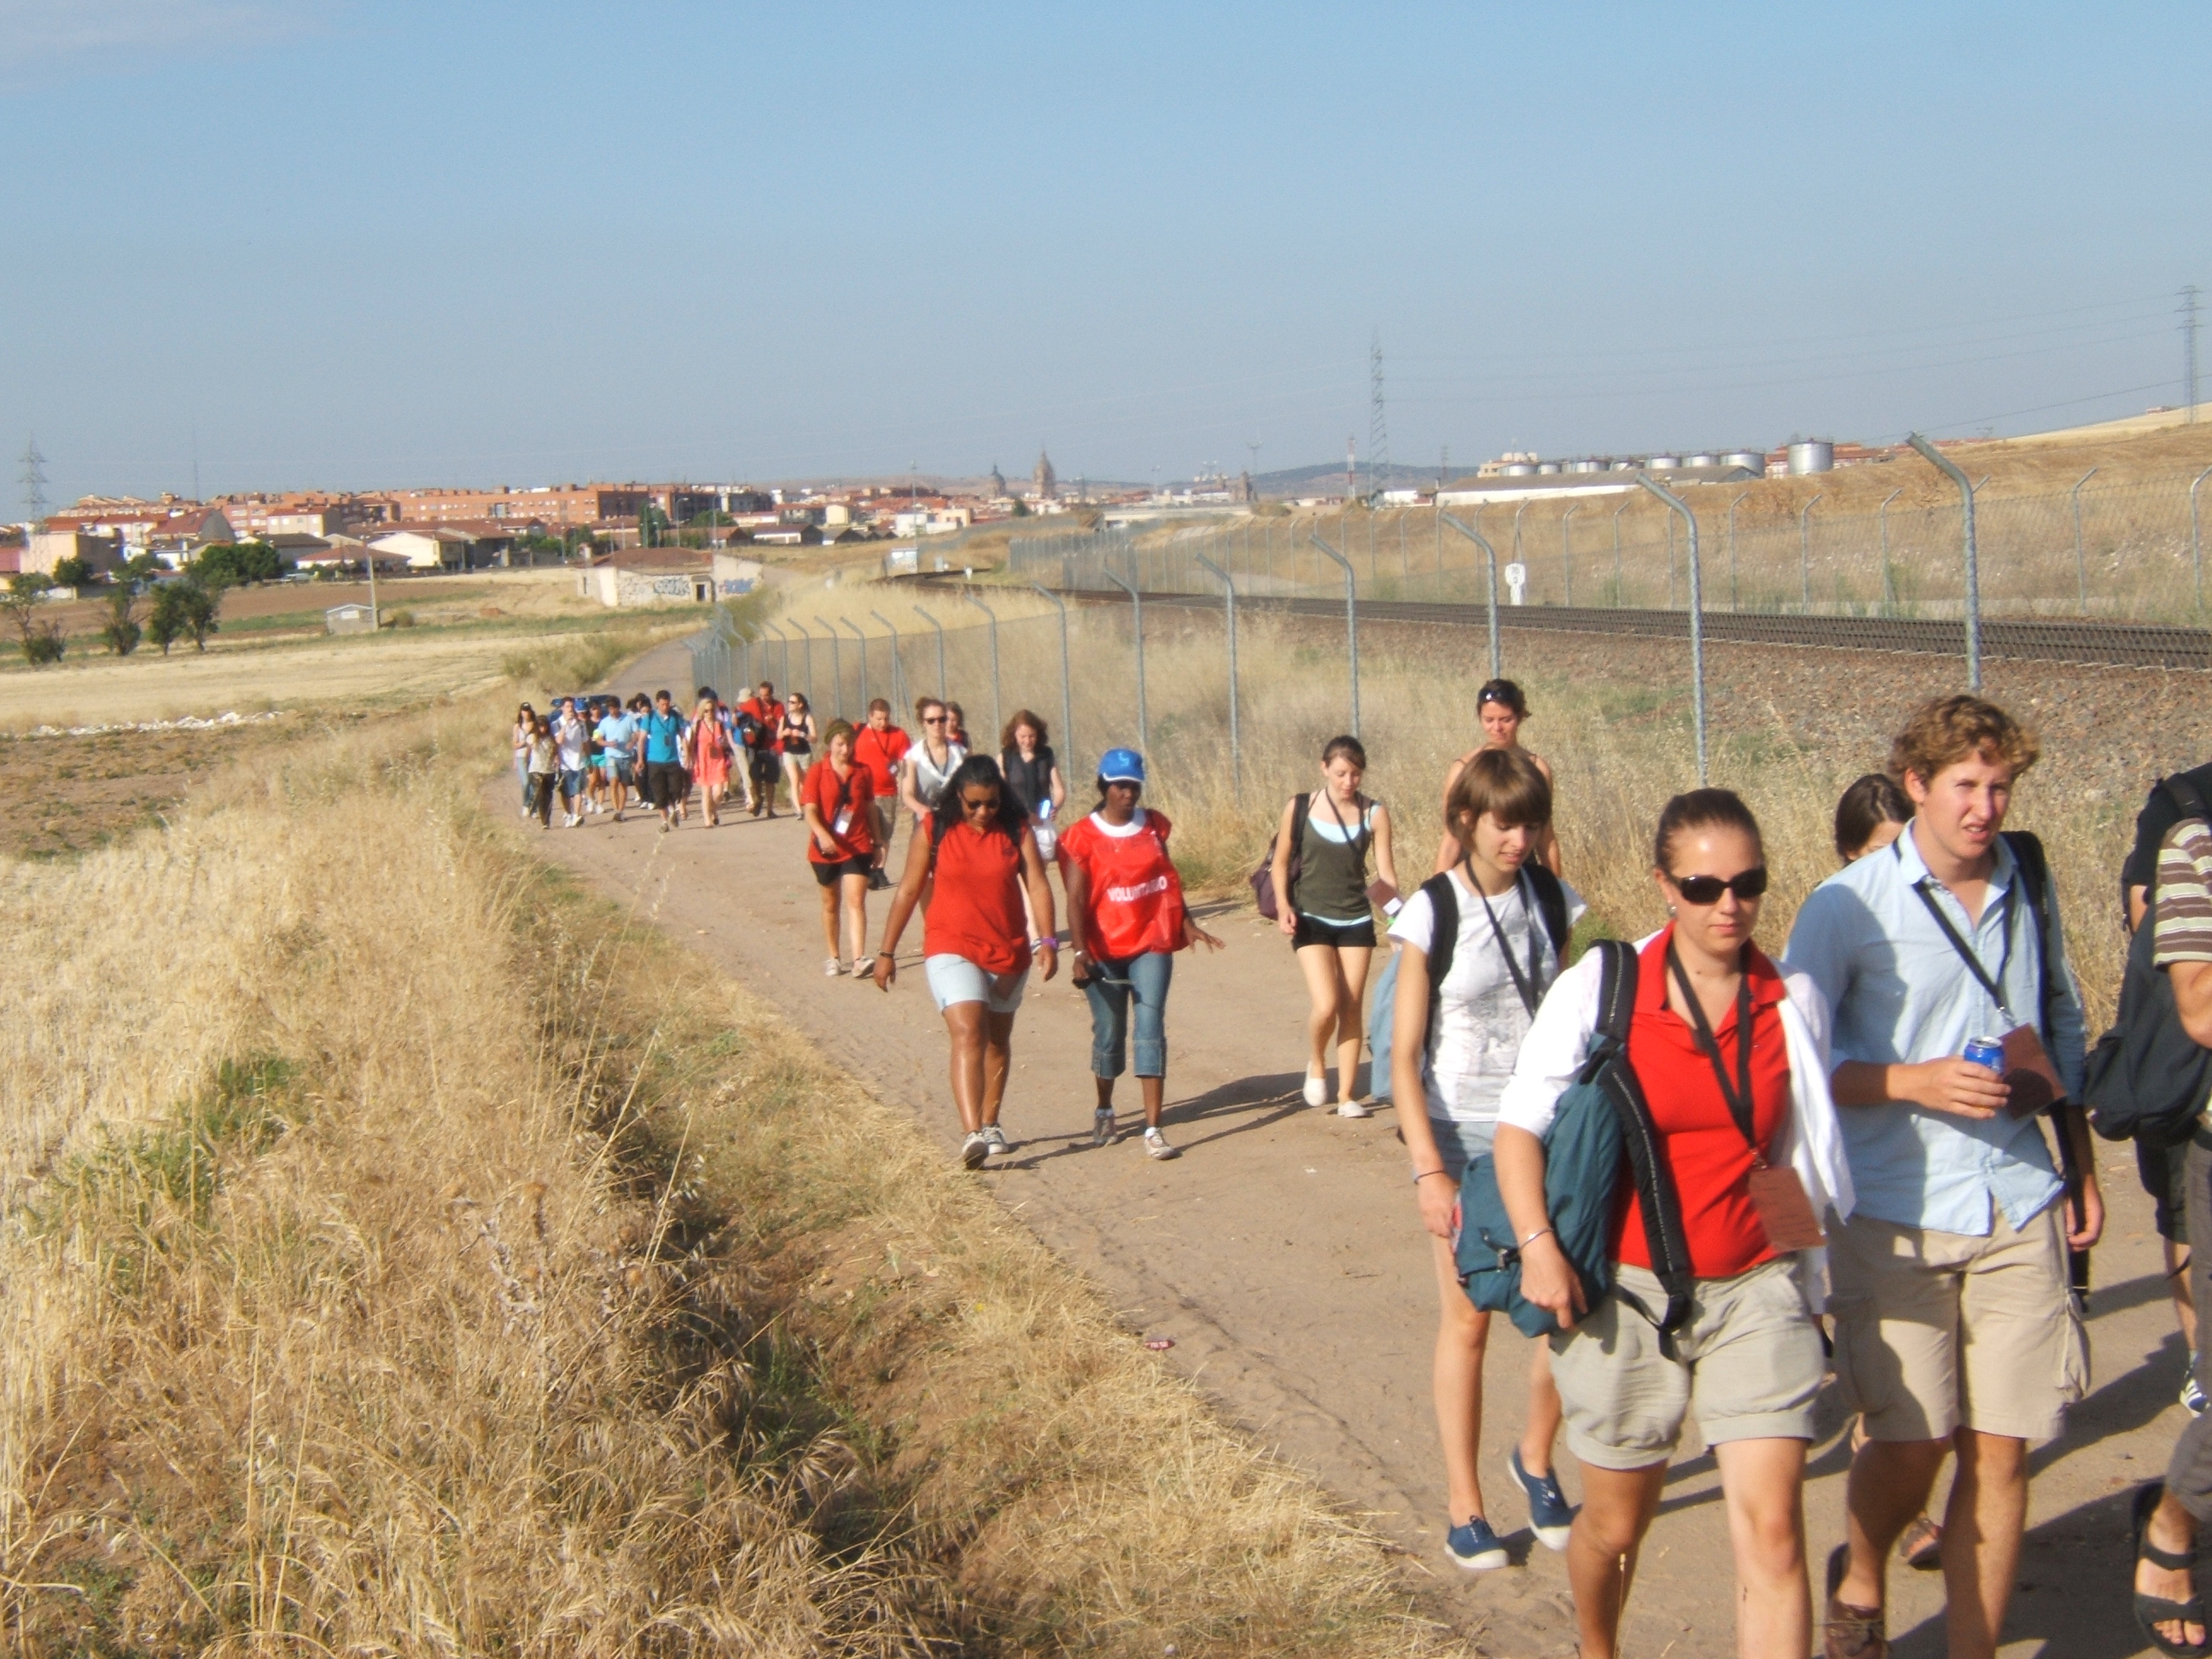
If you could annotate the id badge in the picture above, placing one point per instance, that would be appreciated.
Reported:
(2031, 1081)
(1785, 1214)
(844, 822)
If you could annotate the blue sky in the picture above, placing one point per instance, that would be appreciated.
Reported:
(354, 245)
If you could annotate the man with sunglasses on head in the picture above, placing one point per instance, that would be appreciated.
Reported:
(1955, 1330)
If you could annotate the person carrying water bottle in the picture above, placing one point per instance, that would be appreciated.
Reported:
(1479, 945)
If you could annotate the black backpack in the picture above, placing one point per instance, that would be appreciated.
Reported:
(1443, 932)
(2147, 1078)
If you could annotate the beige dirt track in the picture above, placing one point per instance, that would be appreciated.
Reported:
(1282, 1256)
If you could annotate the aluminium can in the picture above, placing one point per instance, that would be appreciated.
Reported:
(1985, 1051)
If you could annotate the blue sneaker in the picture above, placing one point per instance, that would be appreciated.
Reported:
(2192, 1397)
(1475, 1546)
(1550, 1516)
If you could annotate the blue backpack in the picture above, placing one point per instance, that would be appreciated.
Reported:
(1601, 1122)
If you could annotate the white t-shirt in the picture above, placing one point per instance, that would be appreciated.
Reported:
(570, 735)
(1480, 1020)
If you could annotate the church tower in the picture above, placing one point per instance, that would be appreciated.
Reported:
(1045, 479)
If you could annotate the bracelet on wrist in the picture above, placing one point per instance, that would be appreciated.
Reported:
(1420, 1175)
(1534, 1237)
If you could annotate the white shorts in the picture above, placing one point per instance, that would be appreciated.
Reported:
(955, 979)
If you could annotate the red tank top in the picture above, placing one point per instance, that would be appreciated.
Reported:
(1136, 896)
(976, 902)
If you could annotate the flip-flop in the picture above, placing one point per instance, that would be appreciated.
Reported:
(1852, 1632)
(1922, 1546)
(2152, 1611)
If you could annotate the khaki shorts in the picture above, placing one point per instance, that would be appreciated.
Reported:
(1748, 1364)
(1935, 1331)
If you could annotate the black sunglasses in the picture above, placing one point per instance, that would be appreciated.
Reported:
(1707, 889)
(979, 803)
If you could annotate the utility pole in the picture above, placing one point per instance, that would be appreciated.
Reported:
(1378, 423)
(1351, 466)
(2188, 353)
(34, 488)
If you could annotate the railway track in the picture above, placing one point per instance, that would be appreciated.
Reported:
(2126, 645)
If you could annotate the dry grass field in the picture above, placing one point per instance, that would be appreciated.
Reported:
(413, 1255)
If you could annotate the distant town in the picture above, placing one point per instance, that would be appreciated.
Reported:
(623, 526)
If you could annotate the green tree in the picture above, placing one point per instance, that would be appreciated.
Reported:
(232, 564)
(122, 631)
(164, 626)
(139, 568)
(201, 608)
(42, 638)
(72, 572)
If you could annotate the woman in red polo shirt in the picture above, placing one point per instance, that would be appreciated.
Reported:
(977, 860)
(1126, 920)
(1748, 1135)
(840, 842)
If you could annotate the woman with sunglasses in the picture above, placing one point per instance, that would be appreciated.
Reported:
(928, 765)
(1501, 707)
(796, 735)
(1328, 912)
(978, 859)
(1733, 1061)
(1126, 920)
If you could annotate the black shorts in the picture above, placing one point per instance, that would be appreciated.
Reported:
(828, 875)
(764, 763)
(666, 785)
(1347, 936)
(2165, 1174)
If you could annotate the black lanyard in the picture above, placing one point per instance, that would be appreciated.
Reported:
(1994, 986)
(1737, 1098)
(1525, 984)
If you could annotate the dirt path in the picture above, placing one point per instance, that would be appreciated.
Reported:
(1282, 1255)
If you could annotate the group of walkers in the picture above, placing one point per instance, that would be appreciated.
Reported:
(1701, 1175)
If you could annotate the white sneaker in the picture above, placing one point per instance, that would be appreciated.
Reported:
(1101, 1126)
(974, 1150)
(832, 968)
(1354, 1109)
(1317, 1090)
(1155, 1144)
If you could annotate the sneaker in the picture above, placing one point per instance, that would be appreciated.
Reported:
(1155, 1144)
(1102, 1126)
(1354, 1109)
(1550, 1515)
(973, 1150)
(618, 818)
(1317, 1090)
(1475, 1546)
(995, 1141)
(832, 967)
(2192, 1397)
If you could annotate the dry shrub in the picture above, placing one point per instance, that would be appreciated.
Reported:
(405, 1255)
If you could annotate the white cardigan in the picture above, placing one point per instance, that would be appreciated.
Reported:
(1810, 1141)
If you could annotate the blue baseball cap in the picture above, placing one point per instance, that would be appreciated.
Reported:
(1122, 766)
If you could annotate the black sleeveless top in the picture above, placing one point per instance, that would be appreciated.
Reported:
(1030, 779)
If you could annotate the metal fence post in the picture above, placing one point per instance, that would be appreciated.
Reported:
(1567, 555)
(1351, 622)
(1805, 552)
(2080, 562)
(939, 627)
(898, 669)
(1617, 512)
(1236, 745)
(1137, 627)
(2195, 537)
(1733, 505)
(1888, 577)
(1697, 619)
(1934, 457)
(1496, 656)
(783, 640)
(807, 640)
(1517, 512)
(837, 668)
(863, 639)
(1066, 683)
(998, 712)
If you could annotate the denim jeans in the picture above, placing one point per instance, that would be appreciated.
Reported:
(522, 777)
(1112, 985)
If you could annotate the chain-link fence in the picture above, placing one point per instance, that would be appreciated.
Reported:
(2128, 553)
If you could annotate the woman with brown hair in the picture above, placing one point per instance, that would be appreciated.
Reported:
(841, 845)
(1502, 709)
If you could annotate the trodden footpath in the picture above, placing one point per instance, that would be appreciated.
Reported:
(1282, 1255)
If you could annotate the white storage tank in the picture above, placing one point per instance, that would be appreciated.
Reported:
(1520, 469)
(1752, 460)
(1585, 466)
(1810, 455)
(1663, 464)
(1703, 457)
(1547, 468)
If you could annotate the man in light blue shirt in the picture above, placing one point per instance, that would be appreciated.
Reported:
(1954, 1328)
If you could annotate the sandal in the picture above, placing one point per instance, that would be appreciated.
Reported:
(1922, 1546)
(1852, 1632)
(2151, 1611)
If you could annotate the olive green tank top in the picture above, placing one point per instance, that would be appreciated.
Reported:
(1333, 863)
